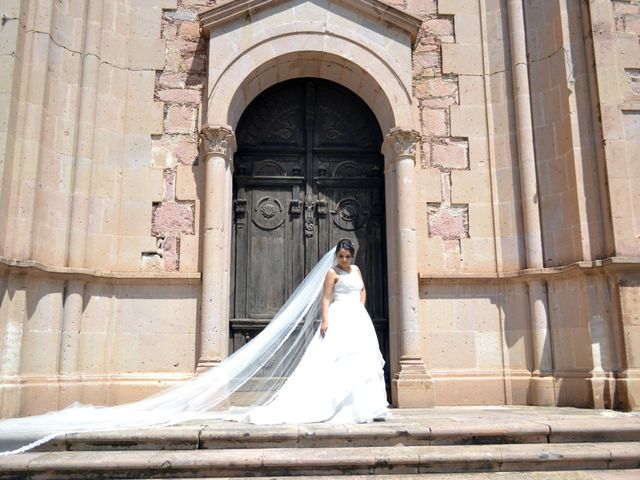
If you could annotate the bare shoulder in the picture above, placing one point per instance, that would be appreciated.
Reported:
(357, 268)
(331, 274)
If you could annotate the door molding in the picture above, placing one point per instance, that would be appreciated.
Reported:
(253, 50)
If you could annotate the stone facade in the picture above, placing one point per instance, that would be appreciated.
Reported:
(512, 180)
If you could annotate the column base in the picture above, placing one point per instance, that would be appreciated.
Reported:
(628, 390)
(412, 386)
(205, 364)
(602, 387)
(10, 401)
(543, 391)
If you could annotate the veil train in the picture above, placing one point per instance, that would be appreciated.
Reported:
(247, 379)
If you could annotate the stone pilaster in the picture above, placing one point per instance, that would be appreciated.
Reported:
(219, 146)
(542, 391)
(72, 319)
(412, 385)
(13, 318)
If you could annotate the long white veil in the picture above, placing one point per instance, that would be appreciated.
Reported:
(249, 378)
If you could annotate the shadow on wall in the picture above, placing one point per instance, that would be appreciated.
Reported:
(51, 326)
(485, 330)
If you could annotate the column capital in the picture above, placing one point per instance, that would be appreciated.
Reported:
(402, 142)
(218, 140)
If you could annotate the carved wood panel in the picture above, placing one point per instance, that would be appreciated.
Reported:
(308, 171)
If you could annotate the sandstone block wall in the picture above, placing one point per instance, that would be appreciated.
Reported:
(471, 216)
(102, 184)
(97, 304)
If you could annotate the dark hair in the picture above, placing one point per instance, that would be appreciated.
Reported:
(345, 244)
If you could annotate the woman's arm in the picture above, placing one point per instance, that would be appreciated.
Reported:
(363, 293)
(327, 290)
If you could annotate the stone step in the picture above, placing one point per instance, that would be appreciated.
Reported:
(406, 427)
(561, 475)
(323, 461)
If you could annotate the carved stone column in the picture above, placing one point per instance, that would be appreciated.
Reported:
(412, 385)
(219, 145)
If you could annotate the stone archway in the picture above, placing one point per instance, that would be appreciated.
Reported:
(364, 45)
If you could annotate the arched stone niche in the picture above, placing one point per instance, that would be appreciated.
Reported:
(366, 46)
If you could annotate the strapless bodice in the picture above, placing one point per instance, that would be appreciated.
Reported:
(348, 286)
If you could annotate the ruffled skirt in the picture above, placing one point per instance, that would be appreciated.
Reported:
(339, 379)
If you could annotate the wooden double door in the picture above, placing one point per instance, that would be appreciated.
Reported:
(308, 172)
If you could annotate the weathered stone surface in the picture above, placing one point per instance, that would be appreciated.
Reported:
(91, 114)
(450, 156)
(173, 218)
(181, 14)
(180, 96)
(181, 119)
(171, 253)
(448, 222)
(187, 151)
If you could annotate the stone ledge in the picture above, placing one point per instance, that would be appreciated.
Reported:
(586, 267)
(37, 268)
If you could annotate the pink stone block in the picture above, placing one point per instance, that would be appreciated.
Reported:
(434, 123)
(173, 218)
(441, 87)
(173, 80)
(171, 253)
(186, 49)
(448, 221)
(439, 103)
(187, 152)
(438, 26)
(180, 119)
(189, 31)
(179, 95)
(450, 156)
(428, 57)
(169, 185)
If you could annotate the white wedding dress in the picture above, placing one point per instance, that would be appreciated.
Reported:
(340, 377)
(337, 378)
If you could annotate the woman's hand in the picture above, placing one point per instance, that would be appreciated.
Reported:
(323, 328)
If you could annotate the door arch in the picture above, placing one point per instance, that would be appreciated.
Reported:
(308, 171)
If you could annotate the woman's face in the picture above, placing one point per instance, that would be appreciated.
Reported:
(344, 258)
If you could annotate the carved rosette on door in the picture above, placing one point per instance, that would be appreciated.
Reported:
(349, 214)
(268, 213)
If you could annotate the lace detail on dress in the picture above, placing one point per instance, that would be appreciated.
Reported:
(348, 286)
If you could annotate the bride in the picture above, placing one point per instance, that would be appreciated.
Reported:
(318, 360)
(340, 378)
